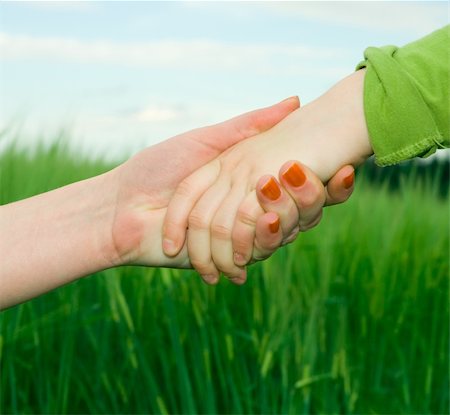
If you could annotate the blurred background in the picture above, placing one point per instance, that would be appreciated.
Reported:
(123, 75)
(351, 318)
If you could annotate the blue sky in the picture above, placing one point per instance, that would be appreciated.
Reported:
(123, 75)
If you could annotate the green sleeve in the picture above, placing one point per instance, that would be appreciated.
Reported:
(406, 98)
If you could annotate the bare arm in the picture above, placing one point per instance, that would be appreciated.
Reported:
(54, 238)
(112, 219)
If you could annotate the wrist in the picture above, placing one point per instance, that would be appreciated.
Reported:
(105, 195)
(347, 137)
(331, 131)
(350, 91)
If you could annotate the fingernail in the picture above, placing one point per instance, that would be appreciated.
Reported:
(239, 280)
(294, 175)
(349, 180)
(291, 237)
(238, 259)
(210, 278)
(274, 226)
(293, 98)
(168, 246)
(271, 189)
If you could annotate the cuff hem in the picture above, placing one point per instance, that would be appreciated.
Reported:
(428, 145)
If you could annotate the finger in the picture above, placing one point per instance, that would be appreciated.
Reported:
(181, 204)
(220, 137)
(268, 236)
(244, 229)
(224, 135)
(306, 190)
(221, 231)
(199, 239)
(341, 185)
(273, 198)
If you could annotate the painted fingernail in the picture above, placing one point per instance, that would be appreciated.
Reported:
(271, 189)
(294, 175)
(238, 258)
(274, 226)
(349, 180)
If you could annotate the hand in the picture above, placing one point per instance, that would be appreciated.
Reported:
(326, 134)
(112, 219)
(146, 182)
(252, 243)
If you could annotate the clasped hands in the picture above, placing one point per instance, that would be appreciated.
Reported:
(215, 198)
(204, 199)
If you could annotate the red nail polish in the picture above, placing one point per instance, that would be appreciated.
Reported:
(294, 175)
(274, 226)
(271, 189)
(349, 180)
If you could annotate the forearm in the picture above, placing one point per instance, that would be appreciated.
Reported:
(55, 238)
(338, 121)
(330, 132)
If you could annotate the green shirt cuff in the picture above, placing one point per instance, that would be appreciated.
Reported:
(406, 98)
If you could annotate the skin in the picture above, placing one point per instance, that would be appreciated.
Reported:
(116, 218)
(219, 203)
(309, 199)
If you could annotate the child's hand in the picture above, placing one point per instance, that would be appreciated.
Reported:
(252, 239)
(259, 233)
(325, 135)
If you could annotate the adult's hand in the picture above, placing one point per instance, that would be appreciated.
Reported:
(112, 219)
(146, 182)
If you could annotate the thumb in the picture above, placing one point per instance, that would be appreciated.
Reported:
(226, 134)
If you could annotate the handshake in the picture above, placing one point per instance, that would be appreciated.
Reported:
(221, 197)
(207, 199)
(210, 198)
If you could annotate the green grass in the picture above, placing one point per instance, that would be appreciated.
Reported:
(352, 318)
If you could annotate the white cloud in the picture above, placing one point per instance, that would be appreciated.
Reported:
(198, 54)
(154, 113)
(418, 18)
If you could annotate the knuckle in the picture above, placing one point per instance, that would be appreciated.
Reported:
(220, 231)
(311, 224)
(185, 188)
(197, 220)
(242, 241)
(201, 266)
(246, 218)
(271, 246)
(226, 265)
(241, 247)
(292, 236)
(311, 198)
(172, 227)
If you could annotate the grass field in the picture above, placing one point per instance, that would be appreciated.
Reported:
(352, 318)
